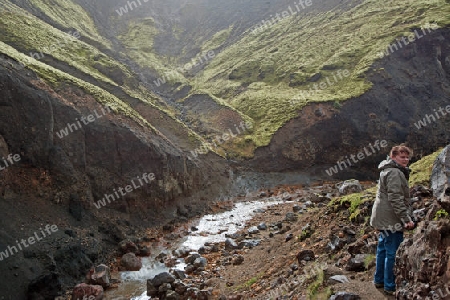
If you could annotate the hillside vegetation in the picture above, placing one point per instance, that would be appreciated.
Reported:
(264, 74)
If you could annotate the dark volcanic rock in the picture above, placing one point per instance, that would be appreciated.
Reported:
(46, 286)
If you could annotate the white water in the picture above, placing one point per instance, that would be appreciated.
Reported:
(211, 228)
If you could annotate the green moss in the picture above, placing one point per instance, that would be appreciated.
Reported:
(354, 201)
(261, 81)
(421, 169)
(217, 40)
(72, 16)
(441, 214)
(368, 260)
(33, 36)
(314, 287)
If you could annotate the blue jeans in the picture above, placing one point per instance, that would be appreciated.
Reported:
(388, 243)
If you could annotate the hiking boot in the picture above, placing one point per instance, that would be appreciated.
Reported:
(379, 285)
(391, 293)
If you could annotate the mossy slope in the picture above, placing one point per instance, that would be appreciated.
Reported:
(263, 75)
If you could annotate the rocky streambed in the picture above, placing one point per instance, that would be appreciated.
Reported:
(290, 243)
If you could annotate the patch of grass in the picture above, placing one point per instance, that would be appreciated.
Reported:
(441, 214)
(421, 169)
(217, 39)
(313, 288)
(250, 282)
(368, 260)
(71, 15)
(354, 201)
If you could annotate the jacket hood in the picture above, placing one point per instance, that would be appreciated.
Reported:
(389, 163)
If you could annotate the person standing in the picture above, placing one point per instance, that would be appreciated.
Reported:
(391, 214)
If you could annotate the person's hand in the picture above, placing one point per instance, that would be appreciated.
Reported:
(410, 225)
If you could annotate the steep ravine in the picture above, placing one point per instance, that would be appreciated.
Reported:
(58, 180)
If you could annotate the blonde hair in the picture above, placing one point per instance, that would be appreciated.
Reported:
(402, 148)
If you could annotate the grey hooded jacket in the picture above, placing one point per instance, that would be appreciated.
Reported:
(391, 209)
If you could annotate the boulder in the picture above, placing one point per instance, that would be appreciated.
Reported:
(84, 291)
(152, 291)
(127, 246)
(306, 255)
(356, 263)
(200, 262)
(191, 258)
(440, 174)
(100, 275)
(230, 244)
(129, 262)
(253, 230)
(161, 278)
(349, 186)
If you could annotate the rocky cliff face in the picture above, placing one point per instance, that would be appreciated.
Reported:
(58, 177)
(423, 261)
(410, 86)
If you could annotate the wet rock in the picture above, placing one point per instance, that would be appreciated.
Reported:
(200, 262)
(230, 244)
(349, 186)
(129, 262)
(127, 246)
(100, 275)
(181, 252)
(248, 243)
(306, 255)
(161, 256)
(345, 296)
(161, 278)
(144, 251)
(291, 217)
(356, 263)
(253, 230)
(262, 226)
(152, 291)
(191, 258)
(179, 274)
(204, 250)
(84, 291)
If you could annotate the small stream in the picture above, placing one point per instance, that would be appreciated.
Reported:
(211, 228)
